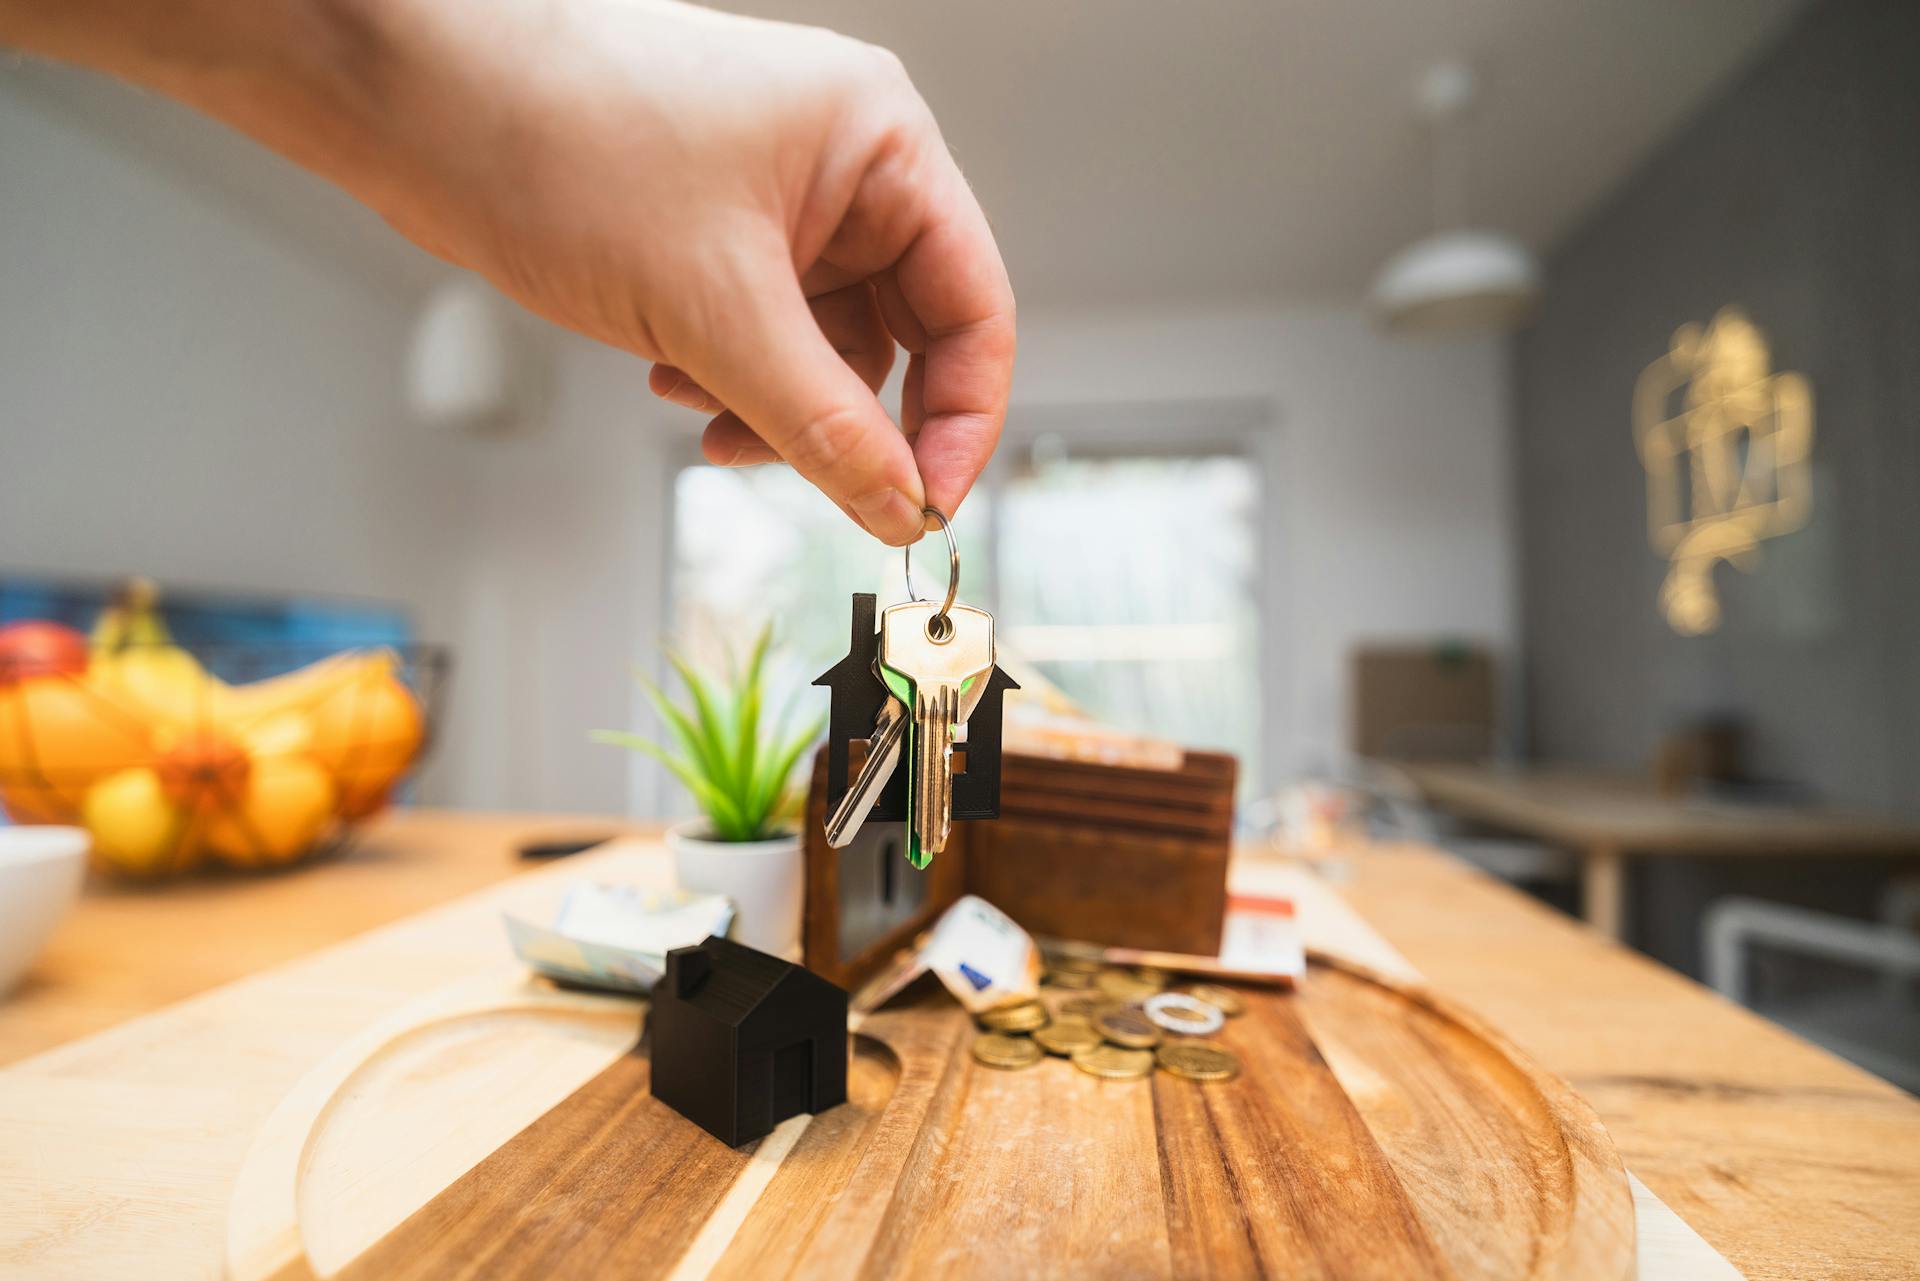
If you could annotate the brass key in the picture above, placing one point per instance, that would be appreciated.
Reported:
(937, 664)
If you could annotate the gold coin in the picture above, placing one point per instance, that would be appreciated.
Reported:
(1067, 1037)
(1223, 999)
(1198, 1060)
(999, 1051)
(1017, 1016)
(1084, 1007)
(1114, 1063)
(1070, 980)
(1127, 1027)
(1153, 974)
(1124, 985)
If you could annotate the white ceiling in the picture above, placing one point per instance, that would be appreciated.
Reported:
(1137, 151)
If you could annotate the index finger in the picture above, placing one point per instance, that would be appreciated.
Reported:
(949, 303)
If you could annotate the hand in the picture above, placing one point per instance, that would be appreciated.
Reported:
(761, 209)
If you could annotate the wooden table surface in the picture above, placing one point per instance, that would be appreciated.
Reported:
(118, 1151)
(1608, 819)
(127, 948)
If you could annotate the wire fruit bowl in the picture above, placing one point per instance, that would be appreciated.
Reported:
(247, 756)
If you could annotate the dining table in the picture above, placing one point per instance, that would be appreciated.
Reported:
(1609, 822)
(166, 1023)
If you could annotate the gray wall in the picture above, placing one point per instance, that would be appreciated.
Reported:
(1796, 195)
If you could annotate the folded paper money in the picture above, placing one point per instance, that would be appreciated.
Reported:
(616, 938)
(975, 949)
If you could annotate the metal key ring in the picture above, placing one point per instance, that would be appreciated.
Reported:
(939, 627)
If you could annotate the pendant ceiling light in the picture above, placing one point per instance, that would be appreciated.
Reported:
(1464, 278)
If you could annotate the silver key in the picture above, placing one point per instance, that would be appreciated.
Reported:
(883, 757)
(948, 670)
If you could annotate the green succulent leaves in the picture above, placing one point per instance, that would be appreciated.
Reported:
(737, 772)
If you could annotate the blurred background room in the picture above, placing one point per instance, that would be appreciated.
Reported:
(1495, 424)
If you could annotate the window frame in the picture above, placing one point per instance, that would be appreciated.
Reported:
(1247, 426)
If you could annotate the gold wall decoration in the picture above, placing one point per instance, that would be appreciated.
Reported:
(1727, 444)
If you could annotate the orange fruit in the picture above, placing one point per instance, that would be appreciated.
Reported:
(366, 732)
(58, 735)
(203, 770)
(287, 807)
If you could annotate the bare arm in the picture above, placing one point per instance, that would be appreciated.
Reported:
(763, 210)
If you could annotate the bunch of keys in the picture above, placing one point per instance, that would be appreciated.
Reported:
(924, 684)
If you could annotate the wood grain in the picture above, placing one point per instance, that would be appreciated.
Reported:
(610, 1182)
(1789, 1161)
(516, 1041)
(129, 947)
(119, 1152)
(1278, 1173)
(944, 1168)
(1460, 1119)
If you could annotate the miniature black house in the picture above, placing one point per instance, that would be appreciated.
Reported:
(743, 1040)
(857, 697)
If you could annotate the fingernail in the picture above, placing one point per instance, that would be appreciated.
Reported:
(889, 514)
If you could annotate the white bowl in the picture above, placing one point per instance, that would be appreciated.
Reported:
(40, 873)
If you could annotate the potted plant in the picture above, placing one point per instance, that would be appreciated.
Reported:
(746, 844)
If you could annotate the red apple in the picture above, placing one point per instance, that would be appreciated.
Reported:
(37, 648)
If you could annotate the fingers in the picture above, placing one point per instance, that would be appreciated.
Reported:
(769, 363)
(728, 442)
(849, 317)
(950, 305)
(673, 385)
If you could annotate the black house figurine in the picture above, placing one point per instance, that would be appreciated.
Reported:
(743, 1040)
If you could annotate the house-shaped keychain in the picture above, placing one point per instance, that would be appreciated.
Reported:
(742, 1040)
(857, 697)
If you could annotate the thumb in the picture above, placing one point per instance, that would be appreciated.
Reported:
(768, 362)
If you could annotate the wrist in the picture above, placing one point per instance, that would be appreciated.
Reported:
(312, 79)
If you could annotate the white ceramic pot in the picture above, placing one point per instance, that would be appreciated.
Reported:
(765, 879)
(40, 873)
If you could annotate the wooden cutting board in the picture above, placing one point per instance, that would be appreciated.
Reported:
(1376, 1132)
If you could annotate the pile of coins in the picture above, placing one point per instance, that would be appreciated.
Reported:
(1119, 1024)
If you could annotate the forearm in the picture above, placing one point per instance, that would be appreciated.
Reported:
(309, 78)
(761, 208)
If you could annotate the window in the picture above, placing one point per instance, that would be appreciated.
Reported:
(760, 543)
(1128, 578)
(1131, 583)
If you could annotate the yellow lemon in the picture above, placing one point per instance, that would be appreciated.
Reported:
(135, 827)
